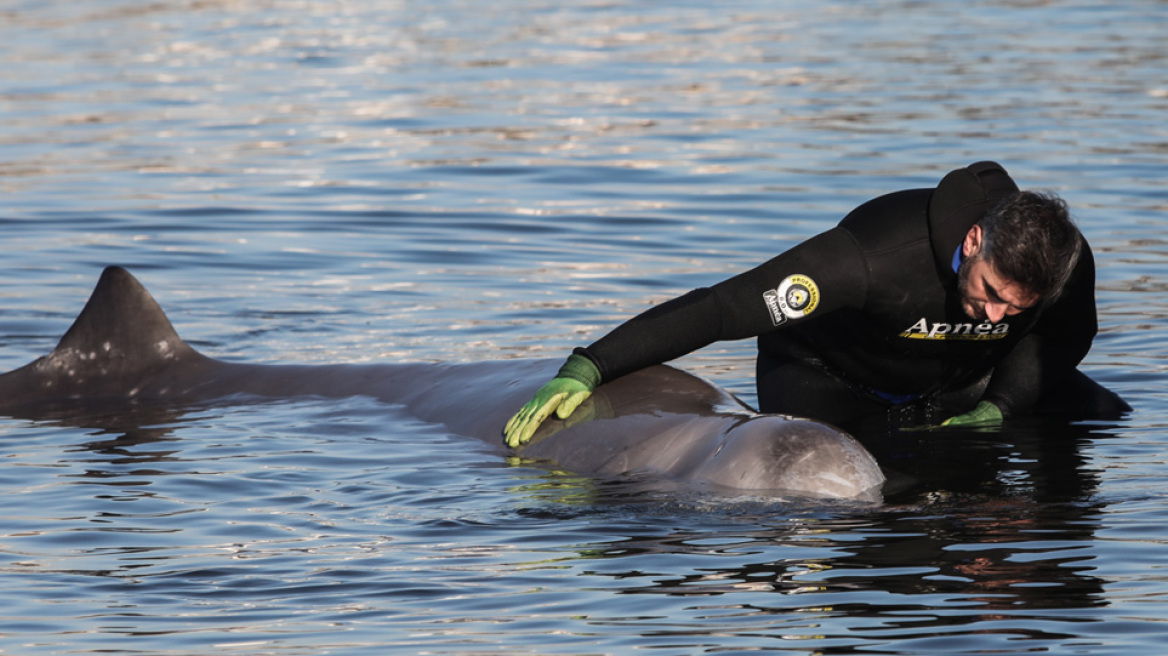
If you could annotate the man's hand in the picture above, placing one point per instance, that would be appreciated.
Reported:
(562, 395)
(985, 414)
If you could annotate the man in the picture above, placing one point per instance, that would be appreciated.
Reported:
(973, 301)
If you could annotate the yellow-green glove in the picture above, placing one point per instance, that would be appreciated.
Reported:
(563, 394)
(985, 414)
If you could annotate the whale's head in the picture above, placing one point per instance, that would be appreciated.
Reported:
(796, 456)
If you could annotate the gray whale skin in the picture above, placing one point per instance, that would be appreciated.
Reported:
(659, 421)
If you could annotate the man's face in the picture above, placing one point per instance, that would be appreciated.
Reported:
(985, 293)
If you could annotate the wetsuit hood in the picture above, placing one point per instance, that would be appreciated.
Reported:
(960, 200)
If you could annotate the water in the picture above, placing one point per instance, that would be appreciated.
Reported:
(387, 181)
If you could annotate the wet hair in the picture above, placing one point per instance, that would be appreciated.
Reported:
(1030, 239)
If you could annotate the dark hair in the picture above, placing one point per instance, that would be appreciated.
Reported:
(1029, 238)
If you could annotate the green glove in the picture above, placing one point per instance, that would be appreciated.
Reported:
(562, 395)
(985, 414)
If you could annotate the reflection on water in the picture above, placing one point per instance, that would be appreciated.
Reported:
(294, 522)
(381, 181)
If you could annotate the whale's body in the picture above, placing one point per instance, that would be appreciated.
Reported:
(660, 421)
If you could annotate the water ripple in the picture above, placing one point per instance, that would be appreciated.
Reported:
(382, 181)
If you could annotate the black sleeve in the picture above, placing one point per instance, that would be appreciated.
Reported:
(1057, 344)
(825, 273)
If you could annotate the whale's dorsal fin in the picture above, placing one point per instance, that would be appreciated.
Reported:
(121, 338)
(123, 320)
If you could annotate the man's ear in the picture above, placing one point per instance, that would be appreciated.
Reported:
(971, 245)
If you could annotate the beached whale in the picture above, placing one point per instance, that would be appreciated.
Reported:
(659, 421)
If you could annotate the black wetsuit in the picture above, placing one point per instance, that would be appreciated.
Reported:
(867, 316)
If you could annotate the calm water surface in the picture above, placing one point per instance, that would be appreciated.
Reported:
(453, 181)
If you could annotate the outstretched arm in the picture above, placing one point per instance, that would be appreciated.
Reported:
(807, 281)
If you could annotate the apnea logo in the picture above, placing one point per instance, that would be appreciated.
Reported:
(962, 331)
(796, 297)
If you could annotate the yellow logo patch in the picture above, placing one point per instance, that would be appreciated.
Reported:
(796, 297)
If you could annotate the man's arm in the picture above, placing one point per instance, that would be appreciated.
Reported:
(824, 273)
(1057, 344)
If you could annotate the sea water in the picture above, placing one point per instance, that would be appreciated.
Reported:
(386, 181)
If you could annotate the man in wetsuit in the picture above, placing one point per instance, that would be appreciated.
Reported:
(963, 304)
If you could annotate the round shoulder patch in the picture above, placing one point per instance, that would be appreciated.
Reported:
(798, 296)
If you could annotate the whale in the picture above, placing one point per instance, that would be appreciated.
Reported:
(660, 423)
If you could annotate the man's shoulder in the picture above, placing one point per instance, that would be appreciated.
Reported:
(890, 221)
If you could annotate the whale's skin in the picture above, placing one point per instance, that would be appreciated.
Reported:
(659, 421)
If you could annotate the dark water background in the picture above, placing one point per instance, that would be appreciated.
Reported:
(386, 181)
